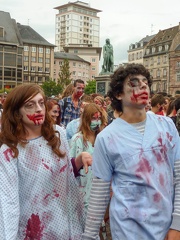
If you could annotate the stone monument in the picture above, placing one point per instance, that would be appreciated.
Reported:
(102, 81)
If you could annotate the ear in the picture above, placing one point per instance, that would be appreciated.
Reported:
(119, 97)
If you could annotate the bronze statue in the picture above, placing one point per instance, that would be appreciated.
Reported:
(108, 62)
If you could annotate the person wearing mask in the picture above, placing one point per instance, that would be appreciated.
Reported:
(39, 195)
(140, 154)
(70, 106)
(92, 122)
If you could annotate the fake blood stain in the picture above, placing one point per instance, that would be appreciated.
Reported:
(31, 117)
(143, 96)
(144, 166)
(34, 228)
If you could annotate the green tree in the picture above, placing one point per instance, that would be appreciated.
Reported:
(50, 88)
(90, 87)
(64, 74)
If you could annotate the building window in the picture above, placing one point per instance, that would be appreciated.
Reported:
(147, 51)
(153, 49)
(47, 70)
(74, 64)
(40, 50)
(39, 79)
(93, 60)
(165, 59)
(32, 78)
(75, 51)
(47, 60)
(164, 72)
(25, 78)
(74, 73)
(25, 68)
(178, 77)
(146, 63)
(93, 69)
(158, 60)
(40, 69)
(48, 50)
(152, 61)
(158, 73)
(164, 86)
(40, 60)
(151, 72)
(33, 69)
(26, 48)
(166, 47)
(33, 59)
(178, 64)
(33, 49)
(160, 48)
(25, 58)
(79, 74)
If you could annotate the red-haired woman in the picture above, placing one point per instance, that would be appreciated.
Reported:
(38, 194)
(54, 110)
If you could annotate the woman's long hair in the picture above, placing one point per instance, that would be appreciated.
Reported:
(50, 103)
(86, 117)
(12, 128)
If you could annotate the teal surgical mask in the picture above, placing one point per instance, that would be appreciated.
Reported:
(95, 124)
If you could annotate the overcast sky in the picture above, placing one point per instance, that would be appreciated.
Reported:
(124, 22)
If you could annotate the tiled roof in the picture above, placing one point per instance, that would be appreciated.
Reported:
(30, 36)
(147, 38)
(10, 29)
(166, 35)
(69, 56)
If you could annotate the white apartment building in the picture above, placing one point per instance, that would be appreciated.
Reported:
(76, 23)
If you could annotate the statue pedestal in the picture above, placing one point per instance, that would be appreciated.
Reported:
(102, 84)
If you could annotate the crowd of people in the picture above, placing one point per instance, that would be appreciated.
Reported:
(89, 167)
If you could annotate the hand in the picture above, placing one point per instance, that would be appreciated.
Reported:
(173, 235)
(86, 160)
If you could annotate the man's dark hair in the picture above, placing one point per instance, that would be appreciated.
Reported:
(118, 78)
(78, 81)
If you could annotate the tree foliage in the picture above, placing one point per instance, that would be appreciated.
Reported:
(90, 87)
(50, 88)
(64, 74)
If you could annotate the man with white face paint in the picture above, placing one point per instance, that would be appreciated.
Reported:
(140, 154)
(70, 106)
